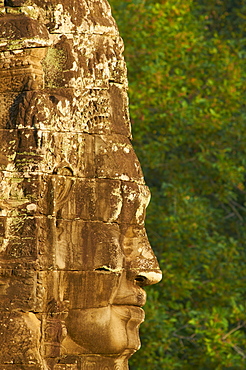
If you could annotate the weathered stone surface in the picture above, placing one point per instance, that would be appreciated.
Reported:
(74, 254)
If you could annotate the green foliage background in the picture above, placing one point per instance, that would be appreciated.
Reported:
(187, 87)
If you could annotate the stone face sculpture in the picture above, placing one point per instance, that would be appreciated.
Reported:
(74, 254)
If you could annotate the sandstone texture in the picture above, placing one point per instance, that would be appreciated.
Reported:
(74, 254)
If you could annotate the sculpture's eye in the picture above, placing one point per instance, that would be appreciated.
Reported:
(104, 268)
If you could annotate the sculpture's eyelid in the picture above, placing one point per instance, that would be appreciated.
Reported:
(103, 268)
(107, 269)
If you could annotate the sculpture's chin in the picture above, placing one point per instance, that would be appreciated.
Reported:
(111, 330)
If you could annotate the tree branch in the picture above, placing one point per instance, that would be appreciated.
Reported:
(239, 351)
(240, 326)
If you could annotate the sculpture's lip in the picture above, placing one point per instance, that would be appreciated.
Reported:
(136, 298)
(127, 305)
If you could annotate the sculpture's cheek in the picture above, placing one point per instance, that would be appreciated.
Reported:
(107, 330)
(88, 289)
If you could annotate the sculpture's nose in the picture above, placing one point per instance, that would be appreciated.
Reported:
(148, 277)
(141, 263)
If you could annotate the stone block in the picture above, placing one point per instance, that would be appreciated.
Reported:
(85, 246)
(19, 336)
(139, 255)
(116, 159)
(80, 290)
(135, 201)
(91, 200)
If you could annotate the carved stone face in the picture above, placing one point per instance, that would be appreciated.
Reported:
(73, 247)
